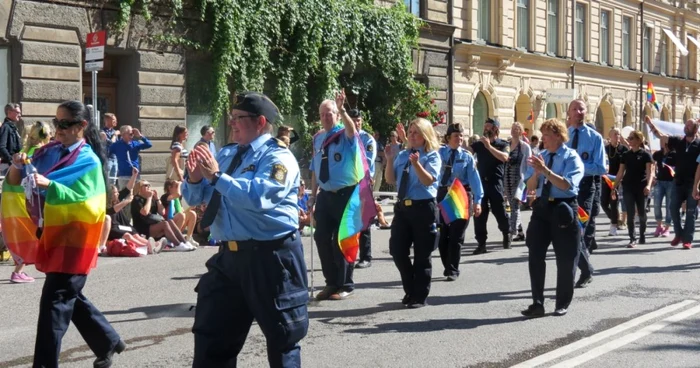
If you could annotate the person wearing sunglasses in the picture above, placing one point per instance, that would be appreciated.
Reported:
(71, 182)
(10, 140)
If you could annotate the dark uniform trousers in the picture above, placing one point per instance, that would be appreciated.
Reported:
(683, 192)
(609, 205)
(62, 301)
(414, 224)
(261, 280)
(493, 201)
(589, 198)
(327, 214)
(366, 245)
(451, 240)
(544, 229)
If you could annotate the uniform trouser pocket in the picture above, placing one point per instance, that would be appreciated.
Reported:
(293, 317)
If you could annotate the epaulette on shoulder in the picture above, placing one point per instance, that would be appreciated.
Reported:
(275, 142)
(230, 145)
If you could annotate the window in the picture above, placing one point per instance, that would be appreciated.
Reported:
(646, 60)
(551, 111)
(5, 76)
(413, 6)
(663, 57)
(484, 29)
(581, 31)
(605, 37)
(523, 24)
(552, 26)
(626, 41)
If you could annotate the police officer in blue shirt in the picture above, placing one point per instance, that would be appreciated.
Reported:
(457, 163)
(370, 145)
(333, 184)
(259, 274)
(557, 173)
(415, 171)
(591, 149)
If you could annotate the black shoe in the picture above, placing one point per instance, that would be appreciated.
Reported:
(583, 282)
(415, 305)
(406, 300)
(507, 241)
(560, 312)
(479, 250)
(642, 239)
(363, 264)
(533, 311)
(452, 278)
(519, 237)
(106, 361)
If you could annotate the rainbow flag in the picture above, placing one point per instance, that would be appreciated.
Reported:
(18, 228)
(361, 209)
(455, 206)
(651, 96)
(582, 217)
(74, 207)
(670, 169)
(609, 180)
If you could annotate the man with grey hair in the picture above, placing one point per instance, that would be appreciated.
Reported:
(10, 140)
(127, 151)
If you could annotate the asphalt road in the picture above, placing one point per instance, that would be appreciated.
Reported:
(642, 310)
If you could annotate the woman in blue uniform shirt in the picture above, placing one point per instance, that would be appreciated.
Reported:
(415, 171)
(558, 170)
(457, 163)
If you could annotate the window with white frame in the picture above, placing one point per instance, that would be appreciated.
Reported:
(484, 18)
(581, 35)
(646, 58)
(413, 6)
(663, 55)
(626, 41)
(523, 24)
(605, 37)
(552, 26)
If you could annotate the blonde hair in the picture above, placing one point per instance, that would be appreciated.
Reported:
(39, 134)
(428, 133)
(557, 127)
(638, 136)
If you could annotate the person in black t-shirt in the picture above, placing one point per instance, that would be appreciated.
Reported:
(614, 152)
(687, 151)
(637, 175)
(665, 161)
(491, 155)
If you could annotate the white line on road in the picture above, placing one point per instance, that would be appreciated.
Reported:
(564, 350)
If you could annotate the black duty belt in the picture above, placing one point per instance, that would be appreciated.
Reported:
(414, 202)
(248, 245)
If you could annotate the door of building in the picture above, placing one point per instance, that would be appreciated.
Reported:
(106, 90)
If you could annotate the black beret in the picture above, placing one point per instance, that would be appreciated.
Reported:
(256, 103)
(354, 113)
(454, 128)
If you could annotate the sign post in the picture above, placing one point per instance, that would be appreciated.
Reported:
(94, 62)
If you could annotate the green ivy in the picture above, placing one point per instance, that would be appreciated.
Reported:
(300, 52)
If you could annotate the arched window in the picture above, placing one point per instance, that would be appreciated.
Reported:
(551, 112)
(481, 112)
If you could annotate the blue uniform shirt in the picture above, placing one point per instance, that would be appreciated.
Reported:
(342, 149)
(259, 197)
(431, 163)
(463, 168)
(120, 148)
(566, 164)
(590, 148)
(370, 146)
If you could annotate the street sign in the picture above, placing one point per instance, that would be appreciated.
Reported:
(563, 95)
(93, 66)
(95, 46)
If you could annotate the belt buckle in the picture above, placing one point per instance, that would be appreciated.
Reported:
(408, 203)
(551, 199)
(233, 246)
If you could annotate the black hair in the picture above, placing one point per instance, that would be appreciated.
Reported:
(176, 133)
(204, 130)
(91, 134)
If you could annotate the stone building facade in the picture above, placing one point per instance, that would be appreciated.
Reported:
(42, 46)
(510, 53)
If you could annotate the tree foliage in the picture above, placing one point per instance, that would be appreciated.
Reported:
(300, 52)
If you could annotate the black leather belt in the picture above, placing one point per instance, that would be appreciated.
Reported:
(248, 245)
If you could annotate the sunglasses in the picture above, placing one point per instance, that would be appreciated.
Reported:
(65, 124)
(145, 185)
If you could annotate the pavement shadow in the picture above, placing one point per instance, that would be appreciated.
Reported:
(639, 249)
(484, 298)
(344, 313)
(647, 269)
(180, 310)
(433, 325)
(181, 278)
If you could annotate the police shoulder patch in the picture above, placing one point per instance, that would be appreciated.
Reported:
(279, 173)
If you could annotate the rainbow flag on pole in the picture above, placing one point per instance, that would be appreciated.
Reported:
(582, 217)
(651, 96)
(360, 210)
(455, 206)
(609, 180)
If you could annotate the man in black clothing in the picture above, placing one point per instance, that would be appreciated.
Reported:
(491, 156)
(10, 140)
(613, 152)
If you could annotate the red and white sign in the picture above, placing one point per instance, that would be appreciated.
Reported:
(95, 46)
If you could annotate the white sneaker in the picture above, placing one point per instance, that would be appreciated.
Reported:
(191, 241)
(190, 245)
(182, 247)
(151, 245)
(613, 230)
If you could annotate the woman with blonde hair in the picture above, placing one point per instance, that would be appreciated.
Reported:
(515, 169)
(39, 135)
(415, 170)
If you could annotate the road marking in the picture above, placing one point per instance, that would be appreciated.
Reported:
(626, 339)
(567, 349)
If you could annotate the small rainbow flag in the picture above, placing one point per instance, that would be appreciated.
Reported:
(609, 180)
(582, 217)
(651, 96)
(455, 206)
(670, 169)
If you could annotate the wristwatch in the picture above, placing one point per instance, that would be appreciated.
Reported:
(217, 175)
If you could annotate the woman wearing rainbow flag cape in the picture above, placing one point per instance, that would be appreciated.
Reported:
(558, 170)
(64, 207)
(458, 171)
(416, 171)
